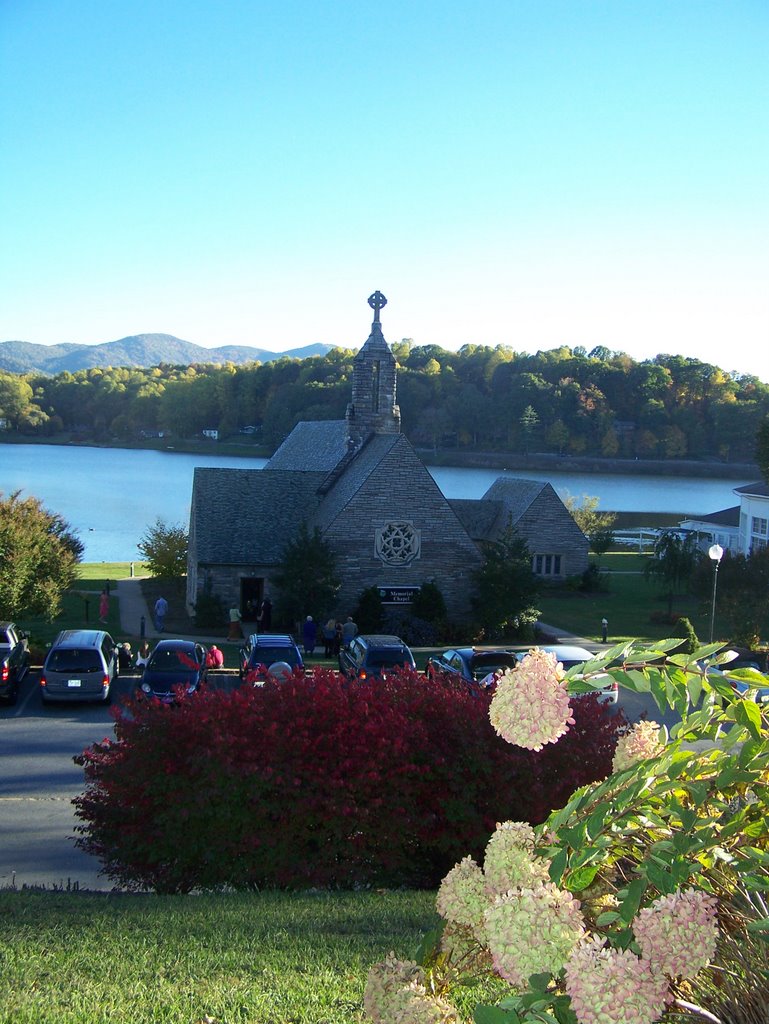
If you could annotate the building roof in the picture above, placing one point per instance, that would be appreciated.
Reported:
(757, 490)
(725, 517)
(480, 518)
(354, 475)
(244, 516)
(315, 446)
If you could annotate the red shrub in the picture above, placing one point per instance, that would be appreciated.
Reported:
(319, 782)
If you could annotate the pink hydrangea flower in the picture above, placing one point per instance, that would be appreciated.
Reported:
(639, 744)
(462, 896)
(509, 861)
(530, 931)
(530, 706)
(611, 986)
(395, 993)
(677, 934)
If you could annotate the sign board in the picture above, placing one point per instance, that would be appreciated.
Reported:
(397, 595)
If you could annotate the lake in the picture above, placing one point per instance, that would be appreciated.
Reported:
(111, 495)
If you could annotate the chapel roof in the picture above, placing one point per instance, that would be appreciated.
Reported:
(760, 489)
(248, 515)
(312, 446)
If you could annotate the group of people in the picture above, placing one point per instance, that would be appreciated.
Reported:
(334, 635)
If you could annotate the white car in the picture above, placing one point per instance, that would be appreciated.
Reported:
(570, 655)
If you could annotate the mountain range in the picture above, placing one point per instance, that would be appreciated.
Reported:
(136, 350)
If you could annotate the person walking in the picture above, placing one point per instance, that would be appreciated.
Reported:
(604, 630)
(161, 610)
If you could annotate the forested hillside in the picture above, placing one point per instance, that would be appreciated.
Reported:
(564, 401)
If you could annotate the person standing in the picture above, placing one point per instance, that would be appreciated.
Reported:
(161, 610)
(604, 630)
(264, 619)
(349, 631)
(328, 638)
(104, 605)
(309, 635)
(337, 639)
(235, 632)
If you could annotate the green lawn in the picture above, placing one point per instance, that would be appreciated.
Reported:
(627, 602)
(72, 958)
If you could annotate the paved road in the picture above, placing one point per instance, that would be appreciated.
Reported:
(38, 780)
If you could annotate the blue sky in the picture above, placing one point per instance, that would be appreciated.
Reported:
(532, 174)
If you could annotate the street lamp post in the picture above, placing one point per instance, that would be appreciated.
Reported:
(715, 554)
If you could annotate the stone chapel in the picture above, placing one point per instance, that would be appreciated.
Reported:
(360, 482)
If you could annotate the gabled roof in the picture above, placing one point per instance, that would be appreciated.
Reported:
(315, 446)
(354, 476)
(757, 490)
(481, 519)
(725, 517)
(246, 516)
(516, 493)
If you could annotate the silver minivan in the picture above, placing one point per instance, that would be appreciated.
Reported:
(81, 665)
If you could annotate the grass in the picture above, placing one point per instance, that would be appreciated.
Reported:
(627, 602)
(260, 957)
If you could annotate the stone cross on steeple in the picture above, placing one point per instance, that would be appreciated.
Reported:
(373, 408)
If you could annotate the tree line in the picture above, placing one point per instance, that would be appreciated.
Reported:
(565, 401)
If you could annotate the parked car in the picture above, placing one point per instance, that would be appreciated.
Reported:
(14, 660)
(266, 655)
(81, 665)
(373, 654)
(570, 657)
(175, 666)
(475, 667)
(745, 679)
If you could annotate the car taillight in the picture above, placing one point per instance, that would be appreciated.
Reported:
(5, 673)
(42, 681)
(363, 674)
(105, 682)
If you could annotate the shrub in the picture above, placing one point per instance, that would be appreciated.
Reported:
(369, 614)
(686, 631)
(318, 782)
(209, 610)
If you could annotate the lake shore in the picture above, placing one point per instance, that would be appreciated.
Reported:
(448, 457)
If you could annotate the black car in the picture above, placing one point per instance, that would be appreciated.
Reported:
(373, 654)
(14, 661)
(268, 654)
(474, 667)
(175, 666)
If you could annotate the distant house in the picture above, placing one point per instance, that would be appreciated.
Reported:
(721, 528)
(211, 433)
(362, 485)
(754, 517)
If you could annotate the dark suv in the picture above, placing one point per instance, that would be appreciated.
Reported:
(372, 655)
(265, 654)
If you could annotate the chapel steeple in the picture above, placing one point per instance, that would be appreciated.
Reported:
(373, 408)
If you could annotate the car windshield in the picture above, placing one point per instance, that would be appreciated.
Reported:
(269, 655)
(173, 660)
(73, 659)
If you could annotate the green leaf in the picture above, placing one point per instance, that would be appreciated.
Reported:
(557, 866)
(760, 925)
(540, 982)
(608, 917)
(581, 878)
(749, 715)
(631, 900)
(493, 1015)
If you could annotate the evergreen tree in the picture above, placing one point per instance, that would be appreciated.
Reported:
(306, 578)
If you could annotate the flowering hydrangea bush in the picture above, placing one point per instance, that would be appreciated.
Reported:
(509, 861)
(613, 986)
(639, 744)
(610, 910)
(531, 704)
(532, 930)
(396, 994)
(677, 934)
